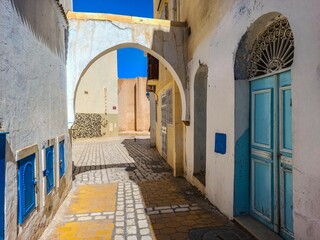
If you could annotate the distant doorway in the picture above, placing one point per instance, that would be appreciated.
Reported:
(200, 123)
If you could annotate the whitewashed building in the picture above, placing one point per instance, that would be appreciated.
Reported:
(258, 63)
(35, 162)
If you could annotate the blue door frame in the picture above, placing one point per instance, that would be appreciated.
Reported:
(263, 156)
(2, 183)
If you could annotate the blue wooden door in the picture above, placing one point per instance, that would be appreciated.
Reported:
(49, 169)
(2, 182)
(271, 152)
(262, 150)
(285, 154)
(62, 165)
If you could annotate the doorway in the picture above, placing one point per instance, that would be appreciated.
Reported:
(271, 151)
(263, 124)
(200, 123)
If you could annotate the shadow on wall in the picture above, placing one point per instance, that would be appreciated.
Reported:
(44, 24)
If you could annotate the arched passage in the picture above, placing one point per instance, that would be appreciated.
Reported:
(90, 39)
(200, 122)
(263, 127)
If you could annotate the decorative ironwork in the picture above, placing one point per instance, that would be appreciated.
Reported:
(273, 50)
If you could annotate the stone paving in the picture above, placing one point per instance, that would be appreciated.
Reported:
(123, 189)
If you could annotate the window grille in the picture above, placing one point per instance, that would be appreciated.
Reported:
(273, 50)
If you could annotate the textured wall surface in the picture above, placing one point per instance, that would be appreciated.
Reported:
(97, 91)
(32, 98)
(134, 108)
(89, 125)
(215, 44)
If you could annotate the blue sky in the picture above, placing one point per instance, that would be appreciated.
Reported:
(131, 62)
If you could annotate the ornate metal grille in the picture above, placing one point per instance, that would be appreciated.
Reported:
(273, 50)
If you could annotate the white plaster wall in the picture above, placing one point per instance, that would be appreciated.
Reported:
(32, 105)
(217, 50)
(101, 74)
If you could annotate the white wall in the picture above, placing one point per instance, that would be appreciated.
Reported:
(32, 96)
(102, 74)
(217, 49)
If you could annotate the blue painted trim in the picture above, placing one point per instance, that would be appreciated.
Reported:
(62, 163)
(242, 175)
(26, 195)
(49, 172)
(2, 182)
(220, 143)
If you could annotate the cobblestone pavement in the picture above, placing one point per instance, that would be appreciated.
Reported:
(123, 189)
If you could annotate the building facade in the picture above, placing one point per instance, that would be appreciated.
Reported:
(134, 108)
(35, 163)
(258, 63)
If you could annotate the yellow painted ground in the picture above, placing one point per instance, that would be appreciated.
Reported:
(94, 198)
(98, 229)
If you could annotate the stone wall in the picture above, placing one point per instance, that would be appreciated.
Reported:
(134, 108)
(33, 101)
(89, 125)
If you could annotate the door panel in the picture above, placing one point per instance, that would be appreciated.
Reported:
(271, 152)
(262, 115)
(262, 195)
(262, 151)
(287, 199)
(285, 119)
(285, 154)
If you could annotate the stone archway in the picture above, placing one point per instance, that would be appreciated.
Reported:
(94, 35)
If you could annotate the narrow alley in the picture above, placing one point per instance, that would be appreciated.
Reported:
(123, 189)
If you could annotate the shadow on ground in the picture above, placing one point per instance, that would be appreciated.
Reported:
(176, 209)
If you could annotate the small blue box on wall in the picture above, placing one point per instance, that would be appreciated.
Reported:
(220, 143)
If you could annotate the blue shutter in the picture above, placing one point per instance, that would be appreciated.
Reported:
(62, 165)
(26, 187)
(2, 181)
(49, 168)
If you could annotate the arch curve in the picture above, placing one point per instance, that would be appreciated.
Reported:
(145, 49)
(89, 40)
(267, 46)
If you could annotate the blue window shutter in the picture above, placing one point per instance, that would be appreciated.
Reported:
(26, 187)
(2, 182)
(49, 168)
(62, 165)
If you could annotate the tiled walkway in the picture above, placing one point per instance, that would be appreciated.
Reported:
(124, 190)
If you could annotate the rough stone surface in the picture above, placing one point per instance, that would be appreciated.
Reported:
(32, 101)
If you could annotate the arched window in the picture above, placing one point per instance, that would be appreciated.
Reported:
(273, 50)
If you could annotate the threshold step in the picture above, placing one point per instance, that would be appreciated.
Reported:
(256, 229)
